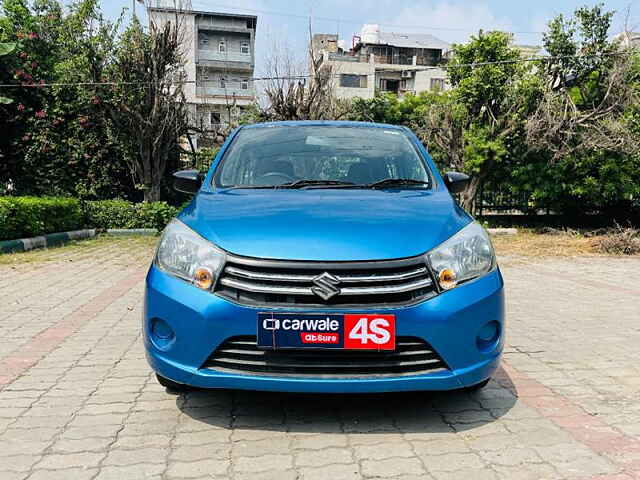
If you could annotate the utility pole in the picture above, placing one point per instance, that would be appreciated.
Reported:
(133, 8)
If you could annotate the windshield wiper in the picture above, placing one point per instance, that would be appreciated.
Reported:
(313, 183)
(250, 187)
(396, 182)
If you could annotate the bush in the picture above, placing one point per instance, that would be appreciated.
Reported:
(22, 217)
(154, 215)
(122, 214)
(620, 241)
(109, 213)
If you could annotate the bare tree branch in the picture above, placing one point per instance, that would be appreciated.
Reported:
(563, 127)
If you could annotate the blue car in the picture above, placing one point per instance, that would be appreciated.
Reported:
(323, 257)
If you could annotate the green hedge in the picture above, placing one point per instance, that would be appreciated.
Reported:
(123, 214)
(23, 217)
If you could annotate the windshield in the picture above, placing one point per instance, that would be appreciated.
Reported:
(331, 156)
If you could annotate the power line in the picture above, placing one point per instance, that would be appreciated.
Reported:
(305, 76)
(356, 22)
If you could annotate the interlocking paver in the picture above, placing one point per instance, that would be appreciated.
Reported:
(77, 399)
(384, 450)
(263, 463)
(392, 467)
(320, 441)
(320, 458)
(120, 457)
(466, 474)
(61, 461)
(331, 472)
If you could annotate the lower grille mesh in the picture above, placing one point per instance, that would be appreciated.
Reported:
(412, 356)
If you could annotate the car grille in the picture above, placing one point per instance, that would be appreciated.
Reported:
(253, 282)
(412, 356)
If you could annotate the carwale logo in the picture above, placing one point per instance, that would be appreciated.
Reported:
(314, 324)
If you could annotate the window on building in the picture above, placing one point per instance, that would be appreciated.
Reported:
(222, 46)
(437, 84)
(223, 82)
(389, 85)
(204, 40)
(353, 81)
(214, 118)
(244, 48)
(244, 84)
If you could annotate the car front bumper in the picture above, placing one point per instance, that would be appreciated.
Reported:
(200, 321)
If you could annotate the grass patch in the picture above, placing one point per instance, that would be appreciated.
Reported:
(132, 248)
(568, 243)
(530, 244)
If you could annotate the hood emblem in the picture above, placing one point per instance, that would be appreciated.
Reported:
(325, 286)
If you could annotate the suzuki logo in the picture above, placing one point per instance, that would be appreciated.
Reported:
(325, 286)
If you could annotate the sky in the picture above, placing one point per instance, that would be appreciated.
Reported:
(286, 22)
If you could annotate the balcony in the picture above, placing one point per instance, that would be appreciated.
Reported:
(230, 91)
(215, 56)
(396, 59)
(212, 23)
(336, 57)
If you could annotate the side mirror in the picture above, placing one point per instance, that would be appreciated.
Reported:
(187, 181)
(456, 182)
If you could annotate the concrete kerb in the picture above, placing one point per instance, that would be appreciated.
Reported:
(43, 241)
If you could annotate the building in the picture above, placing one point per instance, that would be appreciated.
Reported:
(220, 58)
(628, 39)
(383, 62)
(528, 51)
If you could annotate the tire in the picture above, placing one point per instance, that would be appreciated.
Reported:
(172, 386)
(478, 386)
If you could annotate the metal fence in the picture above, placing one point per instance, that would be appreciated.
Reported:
(500, 202)
(496, 201)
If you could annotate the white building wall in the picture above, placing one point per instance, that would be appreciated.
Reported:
(203, 59)
(187, 22)
(422, 81)
(354, 68)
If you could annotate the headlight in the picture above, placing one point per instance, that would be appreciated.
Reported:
(466, 255)
(186, 255)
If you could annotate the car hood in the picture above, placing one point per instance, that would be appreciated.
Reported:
(325, 224)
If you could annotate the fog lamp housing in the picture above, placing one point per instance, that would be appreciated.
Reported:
(488, 336)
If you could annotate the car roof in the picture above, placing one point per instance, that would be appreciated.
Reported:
(328, 123)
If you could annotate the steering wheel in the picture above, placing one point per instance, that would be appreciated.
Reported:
(274, 175)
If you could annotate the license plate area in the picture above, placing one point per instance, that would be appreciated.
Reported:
(326, 331)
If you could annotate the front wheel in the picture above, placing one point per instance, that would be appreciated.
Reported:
(171, 385)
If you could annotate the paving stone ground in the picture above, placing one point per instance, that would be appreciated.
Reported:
(77, 399)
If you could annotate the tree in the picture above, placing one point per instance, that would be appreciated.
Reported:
(6, 49)
(148, 104)
(587, 97)
(473, 123)
(55, 140)
(295, 93)
(585, 130)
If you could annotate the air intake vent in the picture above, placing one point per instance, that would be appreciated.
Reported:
(412, 356)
